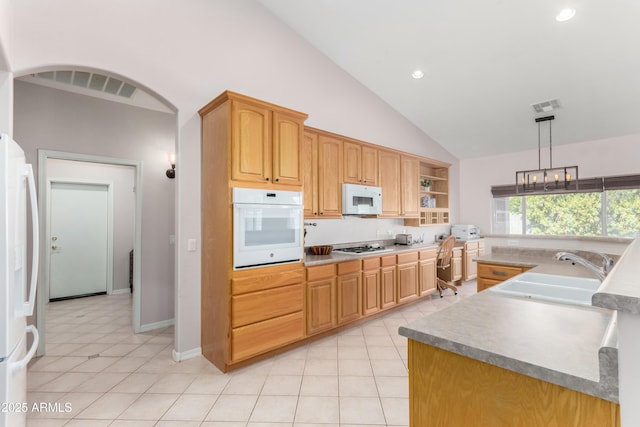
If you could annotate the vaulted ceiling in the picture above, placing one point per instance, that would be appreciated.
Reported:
(485, 63)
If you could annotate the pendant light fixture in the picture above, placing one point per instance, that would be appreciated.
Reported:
(547, 180)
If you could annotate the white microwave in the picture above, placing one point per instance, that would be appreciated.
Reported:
(267, 227)
(361, 200)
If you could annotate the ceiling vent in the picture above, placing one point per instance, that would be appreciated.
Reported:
(93, 81)
(546, 106)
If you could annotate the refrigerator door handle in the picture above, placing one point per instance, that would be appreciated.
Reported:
(35, 233)
(22, 363)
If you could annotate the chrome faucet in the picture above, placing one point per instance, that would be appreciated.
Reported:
(607, 262)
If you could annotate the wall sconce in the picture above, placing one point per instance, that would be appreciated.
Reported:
(171, 173)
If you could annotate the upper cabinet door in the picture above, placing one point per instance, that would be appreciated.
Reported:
(410, 184)
(329, 177)
(352, 163)
(310, 174)
(390, 182)
(369, 165)
(250, 143)
(287, 155)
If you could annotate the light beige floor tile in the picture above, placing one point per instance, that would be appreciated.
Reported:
(383, 353)
(85, 338)
(352, 353)
(319, 385)
(101, 382)
(109, 406)
(119, 350)
(363, 410)
(39, 405)
(296, 353)
(38, 363)
(91, 349)
(223, 424)
(369, 331)
(355, 368)
(46, 422)
(282, 385)
(88, 423)
(208, 384)
(379, 340)
(266, 424)
(149, 406)
(329, 341)
(166, 423)
(350, 340)
(357, 386)
(66, 382)
(393, 386)
(97, 364)
(156, 365)
(322, 352)
(135, 423)
(135, 383)
(172, 383)
(232, 408)
(35, 380)
(388, 368)
(278, 409)
(315, 409)
(147, 350)
(190, 407)
(317, 425)
(63, 349)
(74, 403)
(321, 367)
(126, 364)
(288, 366)
(59, 364)
(396, 410)
(245, 384)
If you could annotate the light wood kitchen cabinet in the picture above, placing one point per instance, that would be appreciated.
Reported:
(453, 273)
(389, 173)
(434, 201)
(407, 276)
(246, 142)
(322, 175)
(349, 291)
(470, 252)
(388, 281)
(427, 283)
(310, 174)
(410, 186)
(265, 143)
(493, 396)
(492, 274)
(360, 164)
(370, 286)
(321, 297)
(266, 304)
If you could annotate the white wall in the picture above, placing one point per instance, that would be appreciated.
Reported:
(123, 179)
(51, 119)
(189, 52)
(607, 157)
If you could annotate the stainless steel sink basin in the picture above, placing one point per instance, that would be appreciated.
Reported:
(551, 287)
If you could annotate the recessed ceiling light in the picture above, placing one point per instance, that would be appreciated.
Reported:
(417, 74)
(565, 14)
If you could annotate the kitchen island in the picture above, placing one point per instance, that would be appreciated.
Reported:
(493, 359)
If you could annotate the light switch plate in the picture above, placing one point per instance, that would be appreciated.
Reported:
(191, 245)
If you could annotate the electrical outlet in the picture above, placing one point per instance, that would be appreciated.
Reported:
(513, 242)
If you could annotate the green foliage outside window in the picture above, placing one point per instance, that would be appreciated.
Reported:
(623, 213)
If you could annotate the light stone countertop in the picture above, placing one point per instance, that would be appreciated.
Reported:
(568, 345)
(311, 260)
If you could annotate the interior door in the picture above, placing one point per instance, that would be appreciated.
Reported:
(79, 239)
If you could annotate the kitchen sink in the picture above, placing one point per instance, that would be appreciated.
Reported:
(551, 287)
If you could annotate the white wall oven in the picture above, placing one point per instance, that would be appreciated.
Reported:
(267, 227)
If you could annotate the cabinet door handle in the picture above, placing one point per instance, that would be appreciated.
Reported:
(321, 213)
(266, 179)
(499, 273)
(277, 179)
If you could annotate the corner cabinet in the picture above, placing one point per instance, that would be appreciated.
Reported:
(434, 198)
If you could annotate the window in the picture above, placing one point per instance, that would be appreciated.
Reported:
(605, 211)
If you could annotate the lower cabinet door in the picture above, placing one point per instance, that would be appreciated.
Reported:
(388, 286)
(407, 282)
(251, 340)
(349, 297)
(321, 299)
(427, 277)
(370, 291)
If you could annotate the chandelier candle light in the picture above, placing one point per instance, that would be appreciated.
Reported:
(547, 180)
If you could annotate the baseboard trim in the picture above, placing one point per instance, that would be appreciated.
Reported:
(185, 355)
(156, 325)
(120, 291)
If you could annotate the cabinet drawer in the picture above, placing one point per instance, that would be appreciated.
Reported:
(263, 305)
(483, 284)
(370, 264)
(428, 253)
(407, 257)
(248, 281)
(348, 267)
(321, 272)
(497, 272)
(259, 337)
(388, 261)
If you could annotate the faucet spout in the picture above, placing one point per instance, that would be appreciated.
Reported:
(601, 272)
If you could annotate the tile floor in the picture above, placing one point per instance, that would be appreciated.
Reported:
(110, 376)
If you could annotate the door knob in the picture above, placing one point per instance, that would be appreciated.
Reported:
(54, 247)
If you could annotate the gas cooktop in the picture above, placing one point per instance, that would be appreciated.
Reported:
(363, 250)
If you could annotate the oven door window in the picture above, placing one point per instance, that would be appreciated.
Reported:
(270, 226)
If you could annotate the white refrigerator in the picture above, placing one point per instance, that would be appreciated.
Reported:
(17, 300)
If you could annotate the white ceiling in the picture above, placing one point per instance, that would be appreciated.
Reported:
(485, 63)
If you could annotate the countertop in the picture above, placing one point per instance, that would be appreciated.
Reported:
(568, 345)
(621, 289)
(311, 260)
